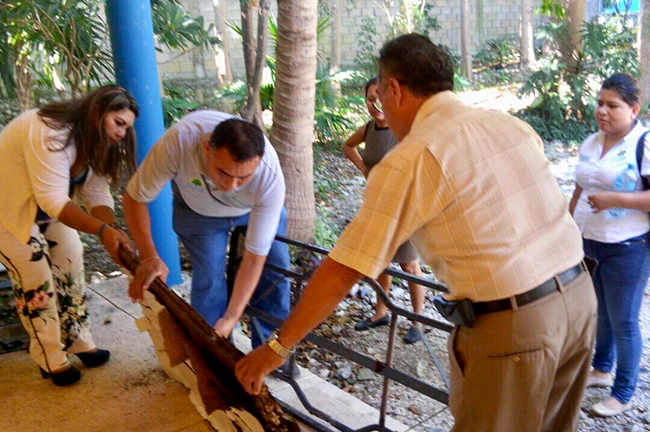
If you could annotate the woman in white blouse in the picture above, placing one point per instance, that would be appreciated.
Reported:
(50, 158)
(610, 206)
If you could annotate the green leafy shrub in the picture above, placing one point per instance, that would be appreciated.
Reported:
(325, 232)
(564, 100)
(496, 53)
(332, 110)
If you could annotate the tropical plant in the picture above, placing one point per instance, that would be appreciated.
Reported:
(176, 29)
(497, 53)
(332, 112)
(403, 16)
(564, 101)
(61, 45)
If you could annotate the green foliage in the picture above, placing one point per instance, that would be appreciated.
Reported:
(553, 9)
(497, 52)
(412, 16)
(325, 233)
(332, 112)
(564, 100)
(175, 108)
(64, 43)
(235, 92)
(176, 29)
(366, 44)
(58, 40)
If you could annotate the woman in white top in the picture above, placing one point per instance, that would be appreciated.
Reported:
(50, 158)
(610, 206)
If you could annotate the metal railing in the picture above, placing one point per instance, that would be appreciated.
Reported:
(383, 368)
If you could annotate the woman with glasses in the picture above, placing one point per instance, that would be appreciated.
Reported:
(379, 140)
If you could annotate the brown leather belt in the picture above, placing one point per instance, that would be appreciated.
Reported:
(548, 287)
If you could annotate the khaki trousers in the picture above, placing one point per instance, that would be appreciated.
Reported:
(525, 369)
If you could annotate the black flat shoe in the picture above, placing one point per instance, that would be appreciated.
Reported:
(412, 335)
(94, 359)
(368, 323)
(67, 377)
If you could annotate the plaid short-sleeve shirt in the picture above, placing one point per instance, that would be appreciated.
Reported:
(475, 193)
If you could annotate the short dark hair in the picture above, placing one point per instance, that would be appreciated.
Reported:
(371, 81)
(626, 87)
(244, 140)
(416, 62)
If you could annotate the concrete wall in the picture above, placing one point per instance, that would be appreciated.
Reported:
(491, 19)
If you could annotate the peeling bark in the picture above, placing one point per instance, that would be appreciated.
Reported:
(212, 357)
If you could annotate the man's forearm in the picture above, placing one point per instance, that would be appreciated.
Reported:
(328, 286)
(248, 276)
(137, 219)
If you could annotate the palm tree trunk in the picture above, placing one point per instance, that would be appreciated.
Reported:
(576, 12)
(222, 58)
(335, 55)
(293, 110)
(644, 46)
(465, 40)
(527, 47)
(254, 59)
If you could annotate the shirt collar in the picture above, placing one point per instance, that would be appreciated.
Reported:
(631, 137)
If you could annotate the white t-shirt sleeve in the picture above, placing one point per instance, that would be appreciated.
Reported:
(48, 165)
(96, 192)
(265, 217)
(159, 167)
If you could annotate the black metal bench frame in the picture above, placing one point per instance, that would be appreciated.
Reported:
(384, 368)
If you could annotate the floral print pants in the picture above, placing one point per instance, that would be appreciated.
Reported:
(47, 278)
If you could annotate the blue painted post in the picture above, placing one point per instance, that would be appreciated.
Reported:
(134, 57)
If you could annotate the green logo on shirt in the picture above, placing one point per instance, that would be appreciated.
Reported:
(196, 182)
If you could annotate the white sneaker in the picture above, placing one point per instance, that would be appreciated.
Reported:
(595, 381)
(601, 410)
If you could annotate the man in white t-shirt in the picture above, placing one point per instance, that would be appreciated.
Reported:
(224, 174)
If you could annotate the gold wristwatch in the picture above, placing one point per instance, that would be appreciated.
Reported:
(277, 347)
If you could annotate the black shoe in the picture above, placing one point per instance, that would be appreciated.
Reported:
(67, 377)
(412, 335)
(94, 359)
(368, 323)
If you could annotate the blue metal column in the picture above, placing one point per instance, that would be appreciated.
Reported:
(134, 57)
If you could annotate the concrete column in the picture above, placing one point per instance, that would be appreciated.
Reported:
(134, 57)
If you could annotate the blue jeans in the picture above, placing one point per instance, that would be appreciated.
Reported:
(206, 238)
(620, 281)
